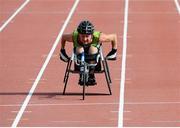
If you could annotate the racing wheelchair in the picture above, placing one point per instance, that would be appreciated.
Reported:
(82, 67)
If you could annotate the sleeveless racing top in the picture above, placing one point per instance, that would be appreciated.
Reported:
(95, 40)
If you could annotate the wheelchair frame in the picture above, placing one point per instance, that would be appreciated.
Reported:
(85, 72)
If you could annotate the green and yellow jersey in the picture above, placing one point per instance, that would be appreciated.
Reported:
(95, 40)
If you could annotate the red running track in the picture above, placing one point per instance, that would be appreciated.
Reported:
(7, 8)
(152, 74)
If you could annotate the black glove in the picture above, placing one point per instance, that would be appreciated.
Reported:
(63, 56)
(112, 54)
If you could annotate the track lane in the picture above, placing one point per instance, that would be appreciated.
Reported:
(154, 65)
(23, 46)
(98, 115)
(7, 8)
(141, 109)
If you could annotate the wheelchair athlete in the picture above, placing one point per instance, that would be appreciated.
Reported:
(86, 41)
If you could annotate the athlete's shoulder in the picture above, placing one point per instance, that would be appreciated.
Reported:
(107, 37)
(96, 34)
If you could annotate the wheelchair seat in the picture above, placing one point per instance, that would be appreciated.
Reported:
(101, 66)
(97, 67)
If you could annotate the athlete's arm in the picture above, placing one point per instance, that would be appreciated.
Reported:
(66, 38)
(109, 38)
(113, 39)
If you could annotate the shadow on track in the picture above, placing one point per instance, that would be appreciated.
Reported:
(51, 94)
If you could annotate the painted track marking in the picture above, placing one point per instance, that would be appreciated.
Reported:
(177, 6)
(27, 99)
(24, 119)
(14, 14)
(123, 68)
(167, 121)
(68, 121)
(64, 12)
(18, 111)
(87, 104)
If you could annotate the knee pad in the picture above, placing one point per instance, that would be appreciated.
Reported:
(79, 56)
(90, 58)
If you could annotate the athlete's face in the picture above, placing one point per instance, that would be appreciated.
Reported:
(85, 38)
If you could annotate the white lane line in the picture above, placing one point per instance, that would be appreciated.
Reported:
(167, 121)
(118, 111)
(24, 119)
(26, 101)
(68, 121)
(32, 79)
(151, 103)
(42, 81)
(123, 68)
(114, 111)
(65, 12)
(118, 79)
(154, 12)
(127, 111)
(74, 104)
(18, 111)
(113, 119)
(87, 104)
(177, 6)
(14, 14)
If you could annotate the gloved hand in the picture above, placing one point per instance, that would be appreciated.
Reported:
(112, 54)
(63, 56)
